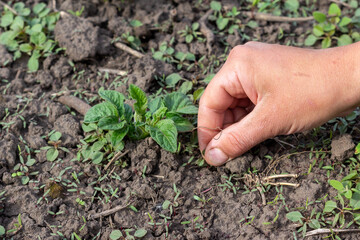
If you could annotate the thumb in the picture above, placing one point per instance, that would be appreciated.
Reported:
(240, 137)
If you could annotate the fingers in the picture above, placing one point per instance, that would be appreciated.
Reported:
(224, 91)
(239, 137)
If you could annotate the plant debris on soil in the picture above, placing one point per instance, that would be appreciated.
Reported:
(49, 191)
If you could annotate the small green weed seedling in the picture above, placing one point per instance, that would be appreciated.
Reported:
(17, 226)
(191, 32)
(160, 118)
(313, 221)
(165, 52)
(77, 13)
(52, 152)
(29, 32)
(329, 26)
(196, 226)
(22, 168)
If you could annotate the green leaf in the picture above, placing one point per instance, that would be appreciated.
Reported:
(310, 40)
(166, 204)
(326, 42)
(350, 176)
(344, 21)
(318, 30)
(179, 103)
(97, 157)
(198, 93)
(7, 38)
(115, 235)
(118, 135)
(208, 78)
(348, 194)
(52, 154)
(7, 19)
(33, 63)
(292, 5)
(155, 104)
(334, 10)
(128, 113)
(135, 23)
(215, 5)
(314, 224)
(2, 230)
(39, 7)
(344, 39)
(30, 162)
(25, 47)
(172, 79)
(159, 114)
(336, 184)
(141, 100)
(195, 26)
(189, 38)
(115, 98)
(25, 180)
(111, 123)
(329, 206)
(140, 233)
(319, 16)
(17, 24)
(222, 23)
(38, 38)
(165, 134)
(186, 87)
(355, 201)
(55, 136)
(99, 111)
(295, 216)
(357, 149)
(181, 124)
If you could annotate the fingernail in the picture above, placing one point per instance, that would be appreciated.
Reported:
(217, 157)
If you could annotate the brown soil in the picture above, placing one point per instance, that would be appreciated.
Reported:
(88, 44)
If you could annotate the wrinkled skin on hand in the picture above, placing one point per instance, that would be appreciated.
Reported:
(265, 90)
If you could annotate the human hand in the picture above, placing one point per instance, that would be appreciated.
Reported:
(266, 90)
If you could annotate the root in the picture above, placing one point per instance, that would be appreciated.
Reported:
(113, 71)
(327, 231)
(73, 102)
(206, 31)
(272, 18)
(129, 50)
(8, 7)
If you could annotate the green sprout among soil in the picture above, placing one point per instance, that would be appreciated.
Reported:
(29, 32)
(329, 26)
(161, 118)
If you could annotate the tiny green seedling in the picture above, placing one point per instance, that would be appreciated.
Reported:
(191, 32)
(29, 32)
(17, 226)
(22, 168)
(52, 152)
(330, 26)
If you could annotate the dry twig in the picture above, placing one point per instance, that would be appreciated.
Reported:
(129, 50)
(8, 7)
(116, 157)
(79, 105)
(113, 71)
(108, 212)
(327, 231)
(272, 18)
(206, 31)
(341, 3)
